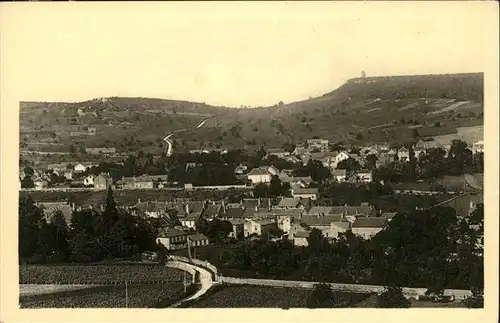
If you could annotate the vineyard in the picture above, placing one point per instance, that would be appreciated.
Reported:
(139, 296)
(265, 297)
(99, 274)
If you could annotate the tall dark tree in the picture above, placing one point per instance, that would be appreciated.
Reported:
(31, 224)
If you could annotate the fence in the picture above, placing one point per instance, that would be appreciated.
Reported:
(407, 291)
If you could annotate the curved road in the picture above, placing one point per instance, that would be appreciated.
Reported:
(169, 142)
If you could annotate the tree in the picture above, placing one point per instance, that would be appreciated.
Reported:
(59, 235)
(371, 161)
(275, 187)
(321, 296)
(27, 182)
(349, 164)
(392, 297)
(414, 133)
(31, 223)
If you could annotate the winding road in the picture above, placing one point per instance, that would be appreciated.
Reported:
(170, 148)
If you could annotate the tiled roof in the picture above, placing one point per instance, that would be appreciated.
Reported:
(369, 222)
(151, 206)
(234, 213)
(265, 222)
(289, 202)
(344, 225)
(305, 191)
(314, 220)
(351, 210)
(317, 210)
(237, 221)
(248, 213)
(212, 210)
(258, 171)
(166, 232)
(197, 237)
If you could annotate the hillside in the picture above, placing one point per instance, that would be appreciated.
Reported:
(372, 109)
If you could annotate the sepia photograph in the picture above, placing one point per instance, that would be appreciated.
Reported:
(294, 158)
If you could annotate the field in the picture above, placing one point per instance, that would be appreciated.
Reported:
(139, 296)
(227, 296)
(36, 289)
(98, 274)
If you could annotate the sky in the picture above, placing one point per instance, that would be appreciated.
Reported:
(251, 54)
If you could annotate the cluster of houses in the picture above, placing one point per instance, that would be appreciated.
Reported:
(290, 218)
(319, 149)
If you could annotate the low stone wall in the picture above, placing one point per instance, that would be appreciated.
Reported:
(201, 263)
(408, 292)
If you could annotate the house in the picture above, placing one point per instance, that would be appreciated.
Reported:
(103, 181)
(159, 181)
(256, 203)
(141, 182)
(322, 222)
(319, 144)
(306, 193)
(58, 168)
(293, 214)
(79, 168)
(403, 154)
(240, 169)
(197, 239)
(300, 238)
(259, 175)
(299, 150)
(340, 157)
(39, 183)
(89, 180)
(301, 181)
(478, 147)
(284, 223)
(258, 227)
(367, 227)
(292, 159)
(287, 203)
(50, 208)
(352, 210)
(364, 175)
(233, 213)
(238, 228)
(339, 227)
(68, 174)
(152, 209)
(339, 175)
(172, 238)
(278, 152)
(212, 211)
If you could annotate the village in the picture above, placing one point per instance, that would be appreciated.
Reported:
(291, 214)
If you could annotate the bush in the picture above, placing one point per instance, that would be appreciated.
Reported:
(392, 297)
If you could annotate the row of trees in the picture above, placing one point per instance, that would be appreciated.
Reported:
(90, 235)
(429, 248)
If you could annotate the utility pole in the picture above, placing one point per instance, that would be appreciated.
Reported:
(126, 294)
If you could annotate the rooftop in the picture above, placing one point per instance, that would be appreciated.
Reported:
(369, 222)
(258, 171)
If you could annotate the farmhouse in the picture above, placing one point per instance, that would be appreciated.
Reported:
(364, 175)
(259, 175)
(140, 182)
(300, 238)
(367, 227)
(320, 144)
(103, 181)
(198, 239)
(305, 193)
(278, 152)
(258, 227)
(339, 174)
(403, 154)
(79, 168)
(172, 238)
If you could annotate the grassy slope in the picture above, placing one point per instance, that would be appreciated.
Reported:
(338, 116)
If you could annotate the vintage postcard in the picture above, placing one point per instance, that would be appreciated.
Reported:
(297, 161)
